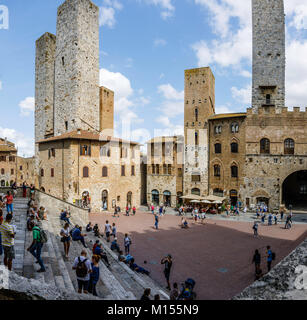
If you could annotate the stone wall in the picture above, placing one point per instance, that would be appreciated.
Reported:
(106, 111)
(269, 58)
(286, 281)
(56, 205)
(77, 67)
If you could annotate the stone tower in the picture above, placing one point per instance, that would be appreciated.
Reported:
(268, 54)
(199, 105)
(76, 102)
(44, 86)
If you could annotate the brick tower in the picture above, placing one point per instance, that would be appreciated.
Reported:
(199, 106)
(268, 54)
(76, 96)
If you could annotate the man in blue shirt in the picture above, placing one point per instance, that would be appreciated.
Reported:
(99, 252)
(78, 236)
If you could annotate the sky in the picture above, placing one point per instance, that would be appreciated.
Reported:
(145, 46)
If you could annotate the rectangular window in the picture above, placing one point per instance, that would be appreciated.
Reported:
(179, 172)
(123, 169)
(169, 169)
(66, 125)
(20, 168)
(12, 171)
(3, 158)
(133, 153)
(133, 170)
(11, 158)
(52, 172)
(85, 150)
(196, 178)
(105, 151)
(123, 152)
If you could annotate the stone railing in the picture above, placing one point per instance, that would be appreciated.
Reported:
(56, 205)
(51, 203)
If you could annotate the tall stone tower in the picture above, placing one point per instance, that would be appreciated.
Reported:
(76, 102)
(106, 111)
(199, 105)
(269, 57)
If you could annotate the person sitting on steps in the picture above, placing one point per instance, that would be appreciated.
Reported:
(77, 235)
(100, 252)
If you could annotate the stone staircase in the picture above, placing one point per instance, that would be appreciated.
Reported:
(118, 282)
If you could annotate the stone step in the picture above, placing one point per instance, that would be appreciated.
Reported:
(130, 279)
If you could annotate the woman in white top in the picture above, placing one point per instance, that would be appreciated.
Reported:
(66, 238)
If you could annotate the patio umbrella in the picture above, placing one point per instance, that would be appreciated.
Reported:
(206, 201)
(195, 201)
(218, 202)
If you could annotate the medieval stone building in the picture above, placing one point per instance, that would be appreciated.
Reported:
(77, 157)
(14, 168)
(255, 157)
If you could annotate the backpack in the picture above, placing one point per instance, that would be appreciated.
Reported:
(81, 269)
(273, 255)
(43, 235)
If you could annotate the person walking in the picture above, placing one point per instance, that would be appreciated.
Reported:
(269, 257)
(114, 231)
(275, 218)
(66, 238)
(127, 244)
(168, 263)
(255, 228)
(288, 222)
(36, 247)
(9, 202)
(83, 269)
(270, 218)
(7, 237)
(256, 259)
(156, 221)
(24, 189)
(107, 229)
(94, 275)
(134, 210)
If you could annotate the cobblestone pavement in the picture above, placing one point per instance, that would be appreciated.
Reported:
(217, 255)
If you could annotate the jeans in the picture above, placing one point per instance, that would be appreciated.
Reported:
(127, 249)
(66, 220)
(36, 251)
(9, 208)
(92, 288)
(156, 224)
(1, 250)
(81, 239)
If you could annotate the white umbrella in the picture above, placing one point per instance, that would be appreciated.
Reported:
(206, 201)
(195, 201)
(218, 202)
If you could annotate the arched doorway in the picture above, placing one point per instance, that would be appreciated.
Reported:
(294, 190)
(2, 183)
(129, 199)
(104, 199)
(167, 198)
(85, 198)
(218, 192)
(155, 197)
(233, 197)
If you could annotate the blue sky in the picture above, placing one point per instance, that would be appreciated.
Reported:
(145, 46)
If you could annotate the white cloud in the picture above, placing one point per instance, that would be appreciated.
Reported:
(27, 106)
(223, 109)
(168, 9)
(107, 12)
(123, 95)
(242, 95)
(160, 42)
(24, 144)
(170, 93)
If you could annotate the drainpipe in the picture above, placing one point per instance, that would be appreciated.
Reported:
(63, 170)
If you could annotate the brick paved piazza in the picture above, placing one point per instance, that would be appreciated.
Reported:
(217, 255)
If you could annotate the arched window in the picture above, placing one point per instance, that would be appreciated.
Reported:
(2, 183)
(218, 129)
(129, 198)
(42, 172)
(196, 191)
(289, 146)
(42, 189)
(234, 171)
(234, 127)
(104, 171)
(2, 171)
(218, 148)
(85, 172)
(155, 197)
(104, 199)
(217, 170)
(218, 192)
(265, 146)
(196, 114)
(234, 147)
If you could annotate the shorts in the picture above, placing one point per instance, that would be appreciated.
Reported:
(9, 252)
(83, 285)
(66, 239)
(107, 234)
(167, 275)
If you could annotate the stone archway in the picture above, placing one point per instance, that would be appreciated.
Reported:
(104, 200)
(294, 190)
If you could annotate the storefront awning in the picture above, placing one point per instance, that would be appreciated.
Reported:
(192, 197)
